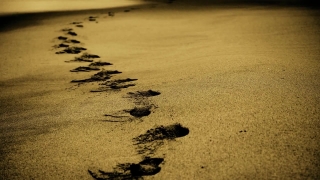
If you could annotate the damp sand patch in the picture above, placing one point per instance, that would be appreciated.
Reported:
(134, 171)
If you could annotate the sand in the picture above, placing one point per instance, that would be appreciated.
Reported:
(238, 94)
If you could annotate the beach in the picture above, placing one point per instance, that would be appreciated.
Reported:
(161, 90)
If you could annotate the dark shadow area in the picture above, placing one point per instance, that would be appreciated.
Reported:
(296, 3)
(21, 20)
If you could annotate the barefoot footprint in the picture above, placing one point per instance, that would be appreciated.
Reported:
(149, 142)
(147, 167)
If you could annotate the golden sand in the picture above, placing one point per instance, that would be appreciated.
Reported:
(244, 81)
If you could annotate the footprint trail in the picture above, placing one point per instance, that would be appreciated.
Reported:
(147, 144)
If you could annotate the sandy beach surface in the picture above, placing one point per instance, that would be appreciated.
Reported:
(192, 91)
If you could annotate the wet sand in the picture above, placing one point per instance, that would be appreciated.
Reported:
(170, 90)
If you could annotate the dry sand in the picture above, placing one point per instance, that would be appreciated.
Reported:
(243, 79)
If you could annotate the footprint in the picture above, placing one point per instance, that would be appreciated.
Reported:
(76, 23)
(139, 112)
(127, 10)
(72, 33)
(66, 39)
(63, 45)
(147, 167)
(62, 38)
(85, 57)
(72, 50)
(148, 93)
(78, 59)
(153, 139)
(162, 132)
(79, 25)
(115, 85)
(135, 114)
(85, 69)
(92, 18)
(73, 41)
(141, 97)
(111, 14)
(67, 29)
(100, 63)
(100, 76)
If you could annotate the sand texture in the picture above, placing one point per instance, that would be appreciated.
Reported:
(162, 90)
